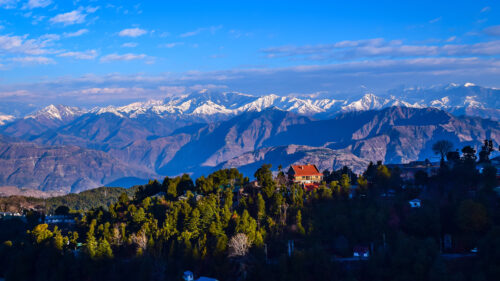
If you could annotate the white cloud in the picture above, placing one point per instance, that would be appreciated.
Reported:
(451, 39)
(106, 90)
(132, 32)
(493, 30)
(8, 4)
(171, 45)
(37, 4)
(106, 94)
(22, 45)
(373, 48)
(76, 33)
(129, 45)
(33, 60)
(87, 55)
(91, 10)
(340, 78)
(123, 57)
(69, 18)
(49, 37)
(16, 93)
(435, 20)
(211, 29)
(485, 9)
(37, 19)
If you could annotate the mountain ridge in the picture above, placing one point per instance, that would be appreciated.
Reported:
(183, 134)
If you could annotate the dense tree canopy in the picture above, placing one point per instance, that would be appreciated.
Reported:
(220, 225)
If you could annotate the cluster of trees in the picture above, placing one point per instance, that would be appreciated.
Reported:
(223, 226)
(83, 201)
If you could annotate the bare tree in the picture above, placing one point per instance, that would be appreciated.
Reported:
(140, 239)
(239, 245)
(442, 147)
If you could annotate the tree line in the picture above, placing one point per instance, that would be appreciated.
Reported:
(224, 226)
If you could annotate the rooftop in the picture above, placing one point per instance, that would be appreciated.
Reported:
(306, 170)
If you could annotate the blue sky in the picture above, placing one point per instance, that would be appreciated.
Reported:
(114, 52)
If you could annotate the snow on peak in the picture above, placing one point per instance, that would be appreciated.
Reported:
(210, 108)
(57, 112)
(259, 104)
(108, 109)
(367, 102)
(452, 85)
(206, 103)
(4, 119)
(470, 101)
(441, 103)
(468, 84)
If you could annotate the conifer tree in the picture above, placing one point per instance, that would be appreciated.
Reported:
(298, 222)
(193, 223)
(91, 245)
(265, 178)
(104, 249)
(261, 207)
(58, 239)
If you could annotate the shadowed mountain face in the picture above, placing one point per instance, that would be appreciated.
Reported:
(216, 143)
(394, 135)
(324, 158)
(125, 147)
(66, 169)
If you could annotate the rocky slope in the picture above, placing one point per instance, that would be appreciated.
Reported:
(48, 118)
(114, 147)
(396, 134)
(323, 158)
(65, 168)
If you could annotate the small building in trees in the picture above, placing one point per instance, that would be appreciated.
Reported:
(361, 252)
(305, 174)
(410, 170)
(189, 276)
(56, 219)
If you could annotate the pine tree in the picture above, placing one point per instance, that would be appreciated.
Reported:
(261, 207)
(345, 184)
(58, 239)
(298, 222)
(104, 249)
(172, 189)
(91, 245)
(193, 223)
(265, 178)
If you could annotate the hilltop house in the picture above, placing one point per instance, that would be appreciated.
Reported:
(308, 175)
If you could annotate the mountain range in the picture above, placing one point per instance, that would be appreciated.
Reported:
(68, 149)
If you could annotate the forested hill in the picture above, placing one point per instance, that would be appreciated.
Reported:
(83, 201)
(441, 225)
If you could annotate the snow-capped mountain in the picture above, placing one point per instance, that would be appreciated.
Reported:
(367, 102)
(208, 106)
(50, 117)
(57, 113)
(4, 119)
(212, 106)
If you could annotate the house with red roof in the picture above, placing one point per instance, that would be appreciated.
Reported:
(308, 175)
